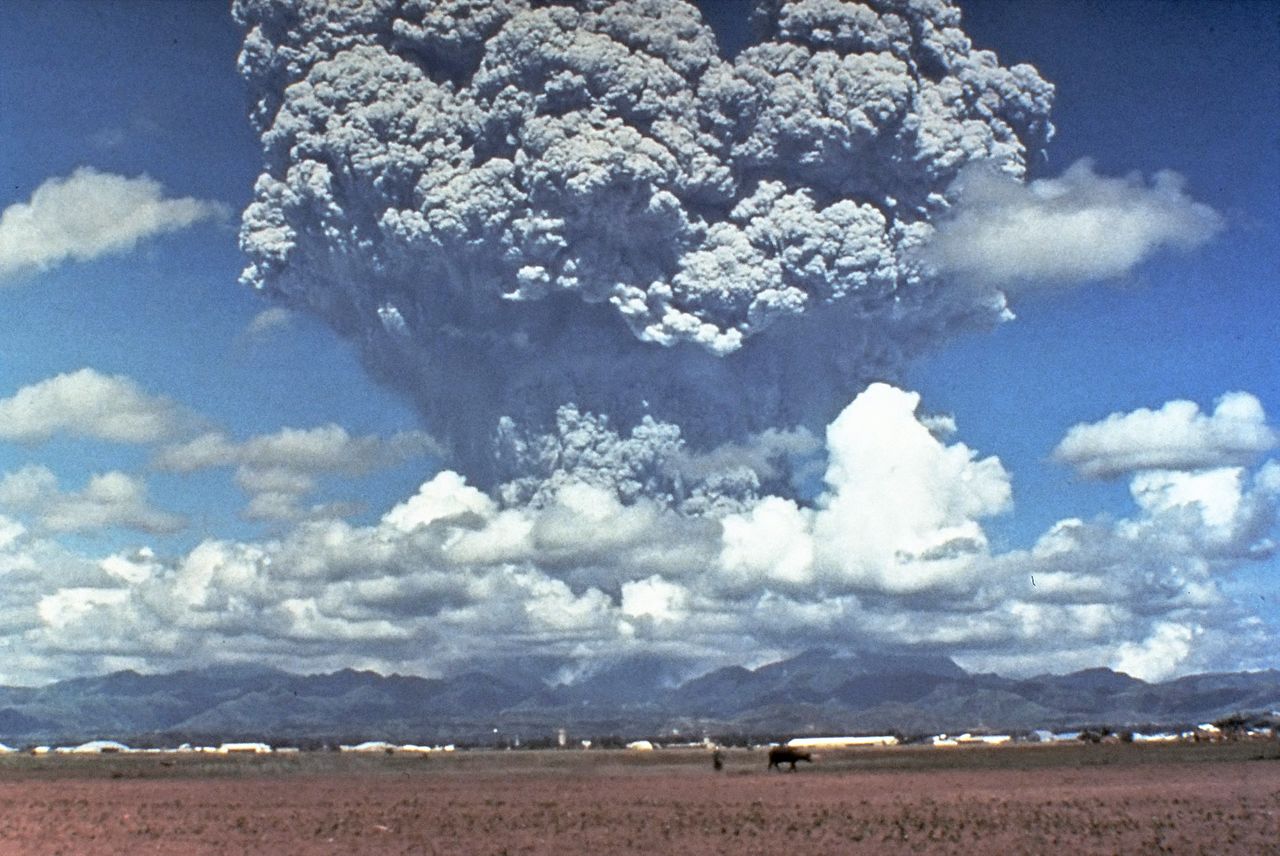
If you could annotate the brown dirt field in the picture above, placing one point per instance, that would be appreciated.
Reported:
(1078, 800)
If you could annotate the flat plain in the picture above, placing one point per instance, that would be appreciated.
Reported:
(1078, 799)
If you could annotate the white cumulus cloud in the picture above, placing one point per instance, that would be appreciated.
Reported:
(891, 555)
(902, 508)
(1076, 228)
(1178, 436)
(90, 214)
(1158, 656)
(87, 403)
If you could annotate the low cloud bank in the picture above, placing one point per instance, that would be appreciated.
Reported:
(891, 554)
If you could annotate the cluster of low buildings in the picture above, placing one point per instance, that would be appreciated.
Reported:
(1205, 732)
(841, 742)
(113, 747)
(382, 746)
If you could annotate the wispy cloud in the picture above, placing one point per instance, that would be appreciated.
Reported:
(109, 499)
(268, 321)
(279, 470)
(117, 136)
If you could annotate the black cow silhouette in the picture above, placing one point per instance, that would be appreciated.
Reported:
(780, 755)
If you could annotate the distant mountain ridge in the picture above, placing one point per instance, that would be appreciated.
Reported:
(818, 691)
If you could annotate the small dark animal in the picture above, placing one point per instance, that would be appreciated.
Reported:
(780, 755)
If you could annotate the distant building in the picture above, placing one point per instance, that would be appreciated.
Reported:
(983, 739)
(968, 739)
(244, 749)
(1208, 731)
(370, 746)
(1161, 737)
(641, 746)
(841, 742)
(95, 747)
(6, 750)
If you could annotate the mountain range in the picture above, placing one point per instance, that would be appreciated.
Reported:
(817, 692)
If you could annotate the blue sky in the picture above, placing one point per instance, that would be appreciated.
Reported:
(1141, 86)
(151, 88)
(133, 88)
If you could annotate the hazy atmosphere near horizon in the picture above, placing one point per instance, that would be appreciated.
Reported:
(427, 336)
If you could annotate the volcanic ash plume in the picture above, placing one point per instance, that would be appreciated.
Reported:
(518, 207)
